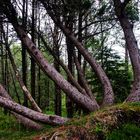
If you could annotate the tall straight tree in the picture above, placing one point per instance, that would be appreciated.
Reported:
(70, 50)
(56, 48)
(33, 65)
(24, 55)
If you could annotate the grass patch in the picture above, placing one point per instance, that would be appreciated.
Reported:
(10, 129)
(125, 132)
(105, 124)
(112, 123)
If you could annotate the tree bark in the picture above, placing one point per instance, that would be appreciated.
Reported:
(23, 52)
(56, 48)
(31, 114)
(17, 74)
(71, 91)
(23, 120)
(73, 81)
(69, 102)
(106, 85)
(132, 47)
(33, 65)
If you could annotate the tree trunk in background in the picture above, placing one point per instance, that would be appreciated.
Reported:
(69, 74)
(47, 91)
(39, 87)
(6, 69)
(132, 48)
(39, 70)
(24, 55)
(69, 103)
(71, 91)
(106, 85)
(2, 53)
(126, 59)
(14, 84)
(80, 40)
(57, 101)
(23, 120)
(70, 50)
(33, 65)
(17, 74)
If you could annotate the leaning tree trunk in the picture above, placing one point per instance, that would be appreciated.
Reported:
(132, 47)
(17, 74)
(108, 92)
(21, 119)
(31, 114)
(71, 91)
(71, 78)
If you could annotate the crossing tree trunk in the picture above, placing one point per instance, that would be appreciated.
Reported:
(21, 119)
(71, 91)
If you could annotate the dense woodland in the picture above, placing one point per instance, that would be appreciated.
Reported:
(60, 59)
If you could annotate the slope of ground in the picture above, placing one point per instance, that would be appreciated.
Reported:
(119, 122)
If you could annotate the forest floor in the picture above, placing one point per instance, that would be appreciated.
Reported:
(119, 122)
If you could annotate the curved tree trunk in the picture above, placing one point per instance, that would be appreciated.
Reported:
(73, 80)
(71, 91)
(21, 119)
(31, 114)
(132, 47)
(17, 74)
(108, 92)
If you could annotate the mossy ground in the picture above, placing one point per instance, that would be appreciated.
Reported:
(102, 125)
(10, 129)
(119, 122)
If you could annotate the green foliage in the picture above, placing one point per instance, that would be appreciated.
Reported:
(10, 129)
(132, 11)
(110, 123)
(101, 11)
(116, 69)
(125, 132)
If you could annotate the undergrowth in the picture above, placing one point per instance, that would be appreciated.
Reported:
(10, 129)
(125, 132)
(119, 122)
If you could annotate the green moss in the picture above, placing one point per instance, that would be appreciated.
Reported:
(10, 129)
(110, 123)
(99, 124)
(125, 132)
